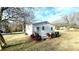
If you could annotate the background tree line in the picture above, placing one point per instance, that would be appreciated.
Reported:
(69, 21)
(14, 19)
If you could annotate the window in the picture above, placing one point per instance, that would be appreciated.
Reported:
(43, 28)
(37, 28)
(51, 28)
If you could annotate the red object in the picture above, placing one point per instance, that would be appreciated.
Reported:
(36, 37)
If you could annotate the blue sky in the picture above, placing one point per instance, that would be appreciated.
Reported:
(53, 13)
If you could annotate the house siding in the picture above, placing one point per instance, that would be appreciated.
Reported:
(47, 28)
(29, 29)
(42, 31)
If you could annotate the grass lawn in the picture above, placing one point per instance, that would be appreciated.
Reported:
(69, 41)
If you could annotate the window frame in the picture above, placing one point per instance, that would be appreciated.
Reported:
(38, 28)
(51, 28)
(43, 27)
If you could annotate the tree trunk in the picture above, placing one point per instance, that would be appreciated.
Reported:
(2, 40)
(24, 25)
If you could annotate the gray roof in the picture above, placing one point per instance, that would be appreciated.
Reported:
(41, 22)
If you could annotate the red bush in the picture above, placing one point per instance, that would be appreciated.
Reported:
(36, 36)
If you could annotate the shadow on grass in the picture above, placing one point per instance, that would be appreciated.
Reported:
(13, 33)
(29, 44)
(12, 45)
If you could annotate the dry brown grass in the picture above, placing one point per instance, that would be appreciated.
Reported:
(69, 41)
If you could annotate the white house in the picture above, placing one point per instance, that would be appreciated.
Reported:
(41, 27)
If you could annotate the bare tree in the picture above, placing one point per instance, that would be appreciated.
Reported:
(13, 14)
(2, 9)
(69, 19)
(24, 15)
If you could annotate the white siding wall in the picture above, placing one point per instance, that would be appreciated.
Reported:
(33, 28)
(29, 29)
